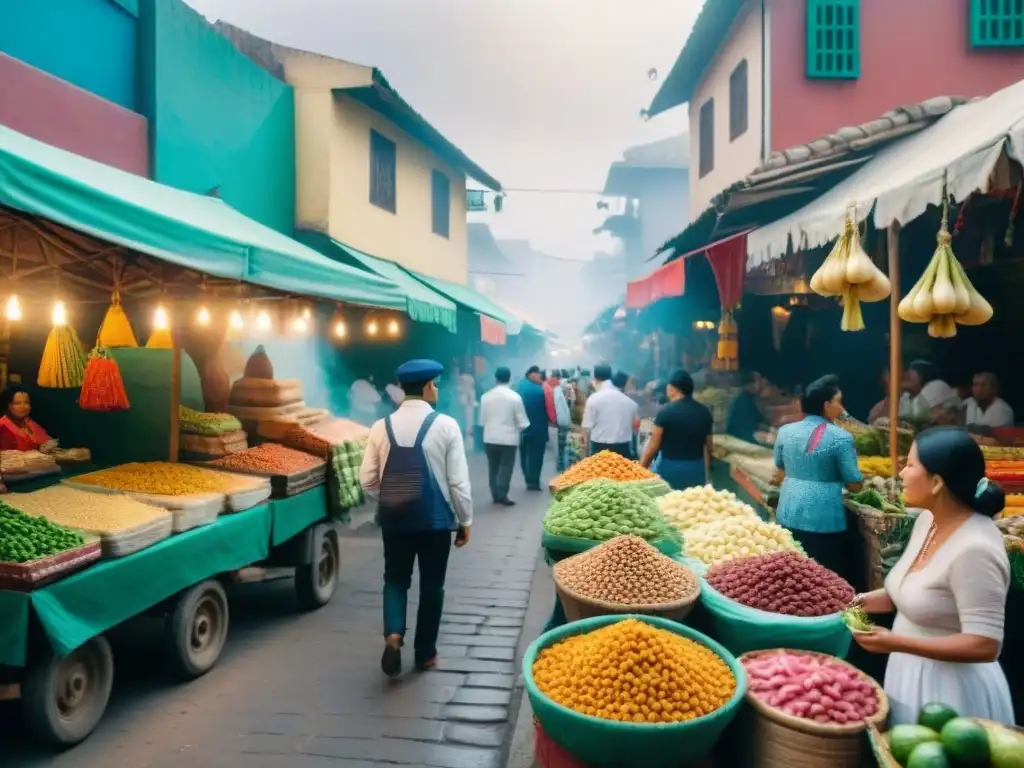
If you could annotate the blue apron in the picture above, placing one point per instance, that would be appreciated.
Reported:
(410, 499)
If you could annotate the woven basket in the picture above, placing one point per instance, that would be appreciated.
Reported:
(577, 607)
(874, 525)
(783, 741)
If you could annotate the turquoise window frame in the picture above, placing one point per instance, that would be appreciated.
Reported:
(833, 39)
(997, 23)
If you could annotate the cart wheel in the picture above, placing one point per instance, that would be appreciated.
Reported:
(64, 699)
(316, 582)
(197, 629)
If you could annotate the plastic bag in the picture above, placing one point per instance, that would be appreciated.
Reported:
(741, 628)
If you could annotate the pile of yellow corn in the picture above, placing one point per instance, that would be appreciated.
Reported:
(160, 478)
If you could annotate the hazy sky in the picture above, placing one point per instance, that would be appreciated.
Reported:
(540, 93)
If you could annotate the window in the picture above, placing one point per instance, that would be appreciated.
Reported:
(707, 137)
(440, 202)
(738, 117)
(997, 23)
(833, 39)
(383, 158)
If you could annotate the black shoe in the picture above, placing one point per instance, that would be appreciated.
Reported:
(391, 660)
(507, 503)
(534, 488)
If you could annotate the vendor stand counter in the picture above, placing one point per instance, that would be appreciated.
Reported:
(51, 639)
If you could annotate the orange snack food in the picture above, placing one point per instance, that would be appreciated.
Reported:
(606, 465)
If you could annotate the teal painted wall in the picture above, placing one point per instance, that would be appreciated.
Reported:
(216, 119)
(90, 43)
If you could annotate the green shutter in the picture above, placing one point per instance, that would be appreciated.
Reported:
(997, 23)
(833, 39)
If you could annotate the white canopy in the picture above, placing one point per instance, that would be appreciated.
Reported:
(902, 180)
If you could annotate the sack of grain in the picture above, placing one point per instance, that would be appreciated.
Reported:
(265, 392)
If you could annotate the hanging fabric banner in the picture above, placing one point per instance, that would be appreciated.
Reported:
(492, 331)
(664, 282)
(728, 260)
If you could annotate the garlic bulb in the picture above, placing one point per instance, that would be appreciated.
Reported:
(849, 272)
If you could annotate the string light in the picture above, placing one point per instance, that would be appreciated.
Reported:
(307, 313)
(300, 324)
(340, 329)
(235, 321)
(160, 320)
(203, 316)
(13, 311)
(372, 328)
(393, 327)
(263, 321)
(60, 315)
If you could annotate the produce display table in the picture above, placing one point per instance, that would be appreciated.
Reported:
(292, 515)
(92, 601)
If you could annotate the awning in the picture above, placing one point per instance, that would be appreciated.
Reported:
(902, 180)
(664, 282)
(195, 232)
(492, 332)
(421, 303)
(468, 298)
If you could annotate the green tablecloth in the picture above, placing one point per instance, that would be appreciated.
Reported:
(293, 515)
(88, 603)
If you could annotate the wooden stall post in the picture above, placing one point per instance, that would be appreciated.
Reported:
(175, 397)
(895, 344)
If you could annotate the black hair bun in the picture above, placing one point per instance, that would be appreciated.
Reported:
(989, 500)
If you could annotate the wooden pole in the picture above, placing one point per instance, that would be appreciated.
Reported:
(175, 397)
(895, 344)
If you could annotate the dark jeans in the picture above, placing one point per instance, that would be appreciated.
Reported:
(563, 439)
(501, 460)
(531, 457)
(831, 550)
(623, 449)
(401, 551)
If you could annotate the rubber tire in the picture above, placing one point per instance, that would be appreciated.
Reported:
(183, 660)
(310, 592)
(39, 702)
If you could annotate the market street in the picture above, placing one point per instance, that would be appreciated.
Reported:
(306, 690)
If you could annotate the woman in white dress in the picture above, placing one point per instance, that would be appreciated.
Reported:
(948, 589)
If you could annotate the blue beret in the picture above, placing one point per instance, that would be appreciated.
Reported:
(418, 370)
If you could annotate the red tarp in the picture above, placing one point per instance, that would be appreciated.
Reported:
(728, 260)
(662, 283)
(492, 331)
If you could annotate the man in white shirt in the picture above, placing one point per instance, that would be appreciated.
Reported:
(986, 408)
(503, 417)
(363, 400)
(415, 465)
(610, 417)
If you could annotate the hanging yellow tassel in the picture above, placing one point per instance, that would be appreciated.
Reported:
(116, 330)
(160, 339)
(63, 362)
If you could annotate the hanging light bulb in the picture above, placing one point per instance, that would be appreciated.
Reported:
(160, 320)
(13, 309)
(340, 329)
(372, 328)
(60, 315)
(235, 321)
(263, 321)
(393, 327)
(203, 316)
(300, 324)
(307, 313)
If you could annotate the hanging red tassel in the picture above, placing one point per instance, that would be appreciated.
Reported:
(102, 387)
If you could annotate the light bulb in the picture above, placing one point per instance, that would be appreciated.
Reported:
(60, 315)
(13, 309)
(160, 321)
(371, 329)
(340, 330)
(236, 321)
(306, 313)
(300, 325)
(263, 321)
(393, 328)
(203, 317)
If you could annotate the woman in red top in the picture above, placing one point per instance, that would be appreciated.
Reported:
(17, 431)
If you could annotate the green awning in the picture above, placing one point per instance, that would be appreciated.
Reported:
(470, 299)
(195, 232)
(421, 303)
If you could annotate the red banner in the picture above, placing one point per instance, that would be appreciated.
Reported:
(728, 260)
(664, 282)
(492, 331)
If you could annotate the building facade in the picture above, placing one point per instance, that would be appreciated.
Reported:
(370, 171)
(764, 75)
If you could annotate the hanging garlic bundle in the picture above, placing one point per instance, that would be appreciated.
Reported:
(944, 296)
(848, 272)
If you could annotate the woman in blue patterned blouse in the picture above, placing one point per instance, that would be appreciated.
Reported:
(815, 459)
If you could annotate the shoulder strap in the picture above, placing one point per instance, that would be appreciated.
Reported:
(390, 432)
(424, 428)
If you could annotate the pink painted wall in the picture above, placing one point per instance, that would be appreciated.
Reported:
(54, 111)
(911, 50)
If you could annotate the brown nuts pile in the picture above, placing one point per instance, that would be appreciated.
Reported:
(628, 571)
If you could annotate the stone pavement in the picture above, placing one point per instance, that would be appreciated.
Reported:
(305, 690)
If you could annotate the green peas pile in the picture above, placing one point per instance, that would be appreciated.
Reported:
(24, 538)
(603, 509)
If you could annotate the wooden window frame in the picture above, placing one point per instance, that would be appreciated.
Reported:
(440, 220)
(383, 172)
(833, 39)
(739, 100)
(997, 23)
(706, 138)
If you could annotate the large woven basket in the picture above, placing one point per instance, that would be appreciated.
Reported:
(875, 527)
(783, 741)
(578, 607)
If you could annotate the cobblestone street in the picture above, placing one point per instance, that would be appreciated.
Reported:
(302, 690)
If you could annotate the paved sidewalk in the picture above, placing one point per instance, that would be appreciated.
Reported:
(298, 690)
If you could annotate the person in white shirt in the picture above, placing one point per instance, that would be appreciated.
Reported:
(610, 417)
(986, 408)
(415, 466)
(363, 400)
(927, 400)
(503, 417)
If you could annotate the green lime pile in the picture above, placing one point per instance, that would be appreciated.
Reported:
(942, 739)
(603, 509)
(24, 538)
